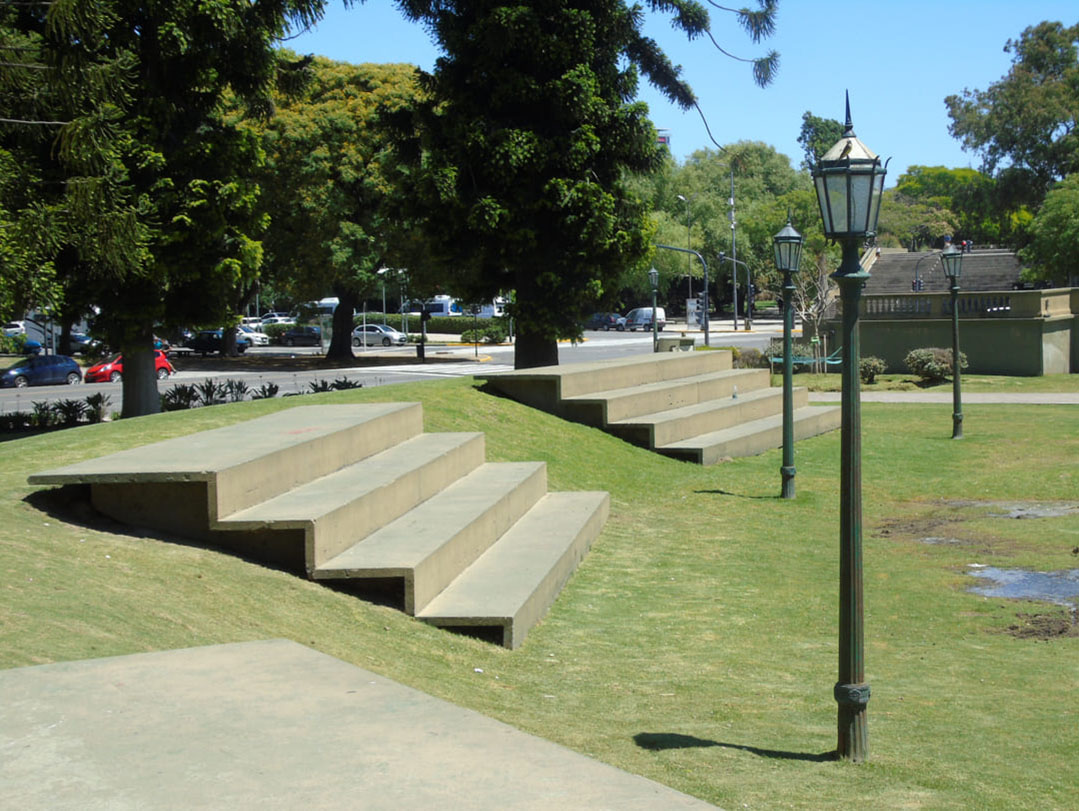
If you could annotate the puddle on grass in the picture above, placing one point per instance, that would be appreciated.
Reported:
(1027, 509)
(1059, 588)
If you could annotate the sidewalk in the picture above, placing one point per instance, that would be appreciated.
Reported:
(999, 398)
(275, 725)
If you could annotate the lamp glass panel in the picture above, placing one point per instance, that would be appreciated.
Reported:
(838, 198)
(822, 200)
(796, 255)
(878, 189)
(861, 190)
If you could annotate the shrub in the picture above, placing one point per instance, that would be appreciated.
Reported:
(750, 359)
(275, 331)
(932, 364)
(69, 412)
(267, 391)
(180, 397)
(342, 383)
(97, 406)
(869, 367)
(235, 390)
(319, 386)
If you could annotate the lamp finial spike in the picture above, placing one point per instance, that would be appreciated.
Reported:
(849, 125)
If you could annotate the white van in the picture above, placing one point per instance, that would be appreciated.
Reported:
(641, 318)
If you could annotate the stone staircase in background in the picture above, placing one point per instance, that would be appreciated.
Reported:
(359, 494)
(689, 405)
(983, 270)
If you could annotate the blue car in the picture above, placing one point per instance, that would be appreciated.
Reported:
(42, 370)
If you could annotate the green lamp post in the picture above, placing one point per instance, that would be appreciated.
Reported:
(653, 277)
(952, 260)
(788, 247)
(849, 181)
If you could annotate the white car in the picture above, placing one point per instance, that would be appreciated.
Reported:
(13, 328)
(254, 336)
(277, 318)
(376, 335)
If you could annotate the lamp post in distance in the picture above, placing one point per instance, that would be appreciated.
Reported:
(653, 277)
(704, 320)
(689, 239)
(952, 260)
(788, 250)
(849, 181)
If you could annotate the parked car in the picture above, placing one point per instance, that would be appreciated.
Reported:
(251, 321)
(302, 336)
(277, 318)
(112, 371)
(254, 335)
(13, 328)
(42, 370)
(377, 335)
(641, 318)
(209, 341)
(82, 344)
(605, 322)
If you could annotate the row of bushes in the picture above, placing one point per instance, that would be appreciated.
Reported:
(95, 408)
(931, 364)
(60, 414)
(445, 325)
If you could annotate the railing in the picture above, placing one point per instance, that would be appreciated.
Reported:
(1004, 304)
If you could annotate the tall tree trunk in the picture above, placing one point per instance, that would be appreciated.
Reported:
(341, 341)
(532, 350)
(140, 380)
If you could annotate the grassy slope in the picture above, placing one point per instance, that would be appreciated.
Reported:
(697, 643)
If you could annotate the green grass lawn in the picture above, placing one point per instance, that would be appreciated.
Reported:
(696, 645)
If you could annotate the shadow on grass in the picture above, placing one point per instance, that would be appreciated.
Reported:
(656, 741)
(736, 495)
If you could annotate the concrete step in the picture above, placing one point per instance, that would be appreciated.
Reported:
(751, 438)
(546, 387)
(336, 510)
(432, 544)
(513, 583)
(184, 484)
(665, 427)
(605, 407)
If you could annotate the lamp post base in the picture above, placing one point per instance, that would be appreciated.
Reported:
(853, 722)
(787, 474)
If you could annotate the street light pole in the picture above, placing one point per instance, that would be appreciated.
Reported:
(689, 240)
(788, 249)
(953, 266)
(704, 320)
(653, 277)
(849, 181)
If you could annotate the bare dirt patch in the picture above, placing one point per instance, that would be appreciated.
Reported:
(925, 527)
(1055, 625)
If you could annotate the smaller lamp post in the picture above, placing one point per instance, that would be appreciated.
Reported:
(653, 277)
(952, 260)
(788, 246)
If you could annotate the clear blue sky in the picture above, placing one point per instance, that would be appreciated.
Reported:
(898, 59)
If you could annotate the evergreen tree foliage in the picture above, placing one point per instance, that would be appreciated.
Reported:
(527, 145)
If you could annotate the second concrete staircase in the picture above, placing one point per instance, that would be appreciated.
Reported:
(689, 405)
(359, 493)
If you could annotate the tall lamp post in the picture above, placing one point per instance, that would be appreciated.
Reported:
(653, 277)
(849, 180)
(788, 247)
(952, 260)
(689, 238)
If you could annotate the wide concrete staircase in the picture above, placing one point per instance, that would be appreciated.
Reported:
(983, 270)
(358, 494)
(689, 405)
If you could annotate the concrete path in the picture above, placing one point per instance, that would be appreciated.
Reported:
(999, 398)
(276, 725)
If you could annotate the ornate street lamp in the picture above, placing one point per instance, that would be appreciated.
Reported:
(653, 277)
(952, 260)
(788, 245)
(849, 181)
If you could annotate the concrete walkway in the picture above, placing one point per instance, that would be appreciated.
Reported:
(999, 398)
(276, 725)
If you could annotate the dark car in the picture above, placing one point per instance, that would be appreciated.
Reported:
(209, 341)
(605, 321)
(82, 344)
(302, 336)
(112, 371)
(42, 370)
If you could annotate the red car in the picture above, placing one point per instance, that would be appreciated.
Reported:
(113, 370)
